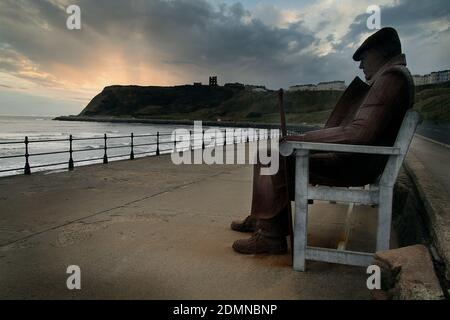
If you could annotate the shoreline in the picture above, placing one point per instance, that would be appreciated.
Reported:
(186, 122)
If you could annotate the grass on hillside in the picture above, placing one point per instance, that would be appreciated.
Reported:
(433, 102)
(213, 103)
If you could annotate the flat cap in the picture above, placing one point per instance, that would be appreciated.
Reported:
(386, 39)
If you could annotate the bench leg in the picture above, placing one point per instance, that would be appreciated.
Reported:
(342, 245)
(301, 209)
(384, 218)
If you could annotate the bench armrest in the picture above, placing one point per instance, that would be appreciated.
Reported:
(288, 147)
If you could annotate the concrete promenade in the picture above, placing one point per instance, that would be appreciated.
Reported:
(147, 229)
(428, 165)
(435, 157)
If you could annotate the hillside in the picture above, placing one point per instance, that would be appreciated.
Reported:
(209, 103)
(433, 101)
(238, 104)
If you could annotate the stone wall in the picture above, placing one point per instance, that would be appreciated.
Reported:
(414, 219)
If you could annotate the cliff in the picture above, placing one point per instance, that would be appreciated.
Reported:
(208, 103)
(239, 104)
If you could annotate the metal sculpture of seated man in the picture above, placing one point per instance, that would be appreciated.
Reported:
(367, 113)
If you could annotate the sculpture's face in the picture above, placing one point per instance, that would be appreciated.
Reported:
(371, 62)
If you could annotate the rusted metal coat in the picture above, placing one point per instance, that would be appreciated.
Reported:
(366, 114)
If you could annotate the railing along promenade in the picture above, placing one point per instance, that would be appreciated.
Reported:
(156, 137)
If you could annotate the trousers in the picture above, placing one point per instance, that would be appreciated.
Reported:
(272, 194)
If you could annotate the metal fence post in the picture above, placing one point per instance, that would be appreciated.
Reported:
(70, 153)
(157, 143)
(27, 169)
(132, 147)
(190, 141)
(105, 156)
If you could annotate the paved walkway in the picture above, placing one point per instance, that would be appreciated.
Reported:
(428, 165)
(435, 157)
(147, 229)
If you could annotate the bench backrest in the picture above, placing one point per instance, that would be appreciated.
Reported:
(405, 135)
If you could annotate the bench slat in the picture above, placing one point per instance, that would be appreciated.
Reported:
(343, 195)
(289, 146)
(352, 258)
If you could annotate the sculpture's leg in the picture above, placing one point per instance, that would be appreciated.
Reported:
(301, 209)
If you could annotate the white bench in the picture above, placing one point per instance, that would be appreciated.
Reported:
(379, 194)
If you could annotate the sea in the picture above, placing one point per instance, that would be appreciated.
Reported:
(40, 129)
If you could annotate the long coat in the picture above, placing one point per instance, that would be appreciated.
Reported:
(366, 114)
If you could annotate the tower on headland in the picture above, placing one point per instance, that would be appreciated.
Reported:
(213, 81)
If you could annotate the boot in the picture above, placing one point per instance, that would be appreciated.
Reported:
(246, 225)
(270, 237)
(259, 243)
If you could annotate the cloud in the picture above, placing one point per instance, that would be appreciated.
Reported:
(162, 42)
(193, 35)
(423, 27)
(411, 17)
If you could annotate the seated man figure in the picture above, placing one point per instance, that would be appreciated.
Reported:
(367, 113)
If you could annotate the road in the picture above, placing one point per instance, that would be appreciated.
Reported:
(437, 132)
(435, 158)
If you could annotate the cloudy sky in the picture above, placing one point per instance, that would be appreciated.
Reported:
(46, 69)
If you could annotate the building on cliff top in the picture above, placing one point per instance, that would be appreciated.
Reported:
(213, 81)
(431, 78)
(330, 85)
